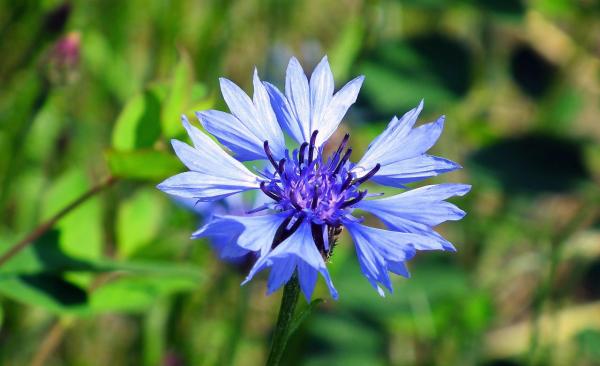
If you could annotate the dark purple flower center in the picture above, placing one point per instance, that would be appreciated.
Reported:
(318, 189)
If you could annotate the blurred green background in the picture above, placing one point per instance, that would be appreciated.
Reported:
(91, 89)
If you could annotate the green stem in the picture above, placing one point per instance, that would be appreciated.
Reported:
(291, 292)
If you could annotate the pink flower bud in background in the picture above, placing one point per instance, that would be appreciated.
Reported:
(64, 58)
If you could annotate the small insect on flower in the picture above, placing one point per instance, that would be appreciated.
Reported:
(310, 196)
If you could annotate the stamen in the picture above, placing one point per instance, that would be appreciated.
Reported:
(294, 202)
(269, 153)
(369, 175)
(354, 200)
(339, 150)
(306, 184)
(313, 139)
(315, 198)
(301, 153)
(343, 161)
(346, 183)
(281, 166)
(263, 187)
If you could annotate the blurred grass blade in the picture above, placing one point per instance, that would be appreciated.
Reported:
(178, 97)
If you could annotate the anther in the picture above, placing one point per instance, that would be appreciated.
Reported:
(347, 182)
(263, 187)
(315, 198)
(301, 153)
(343, 160)
(294, 202)
(281, 166)
(269, 153)
(340, 149)
(354, 200)
(313, 139)
(369, 175)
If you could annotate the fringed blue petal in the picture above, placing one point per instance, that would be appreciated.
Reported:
(296, 252)
(214, 174)
(309, 106)
(425, 205)
(400, 152)
(256, 233)
(250, 124)
(380, 251)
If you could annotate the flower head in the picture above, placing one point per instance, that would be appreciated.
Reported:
(311, 196)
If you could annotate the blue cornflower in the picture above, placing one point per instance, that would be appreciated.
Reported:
(312, 196)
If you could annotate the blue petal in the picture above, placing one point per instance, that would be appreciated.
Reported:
(380, 251)
(214, 173)
(418, 210)
(283, 111)
(321, 92)
(423, 205)
(397, 129)
(280, 274)
(203, 187)
(400, 151)
(296, 252)
(307, 107)
(234, 205)
(297, 93)
(267, 120)
(257, 232)
(251, 123)
(418, 141)
(232, 134)
(223, 236)
(210, 158)
(307, 276)
(336, 110)
(398, 268)
(401, 172)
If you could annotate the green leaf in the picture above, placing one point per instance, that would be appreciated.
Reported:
(149, 165)
(81, 229)
(178, 97)
(49, 291)
(137, 293)
(44, 255)
(128, 293)
(138, 125)
(138, 221)
(42, 275)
